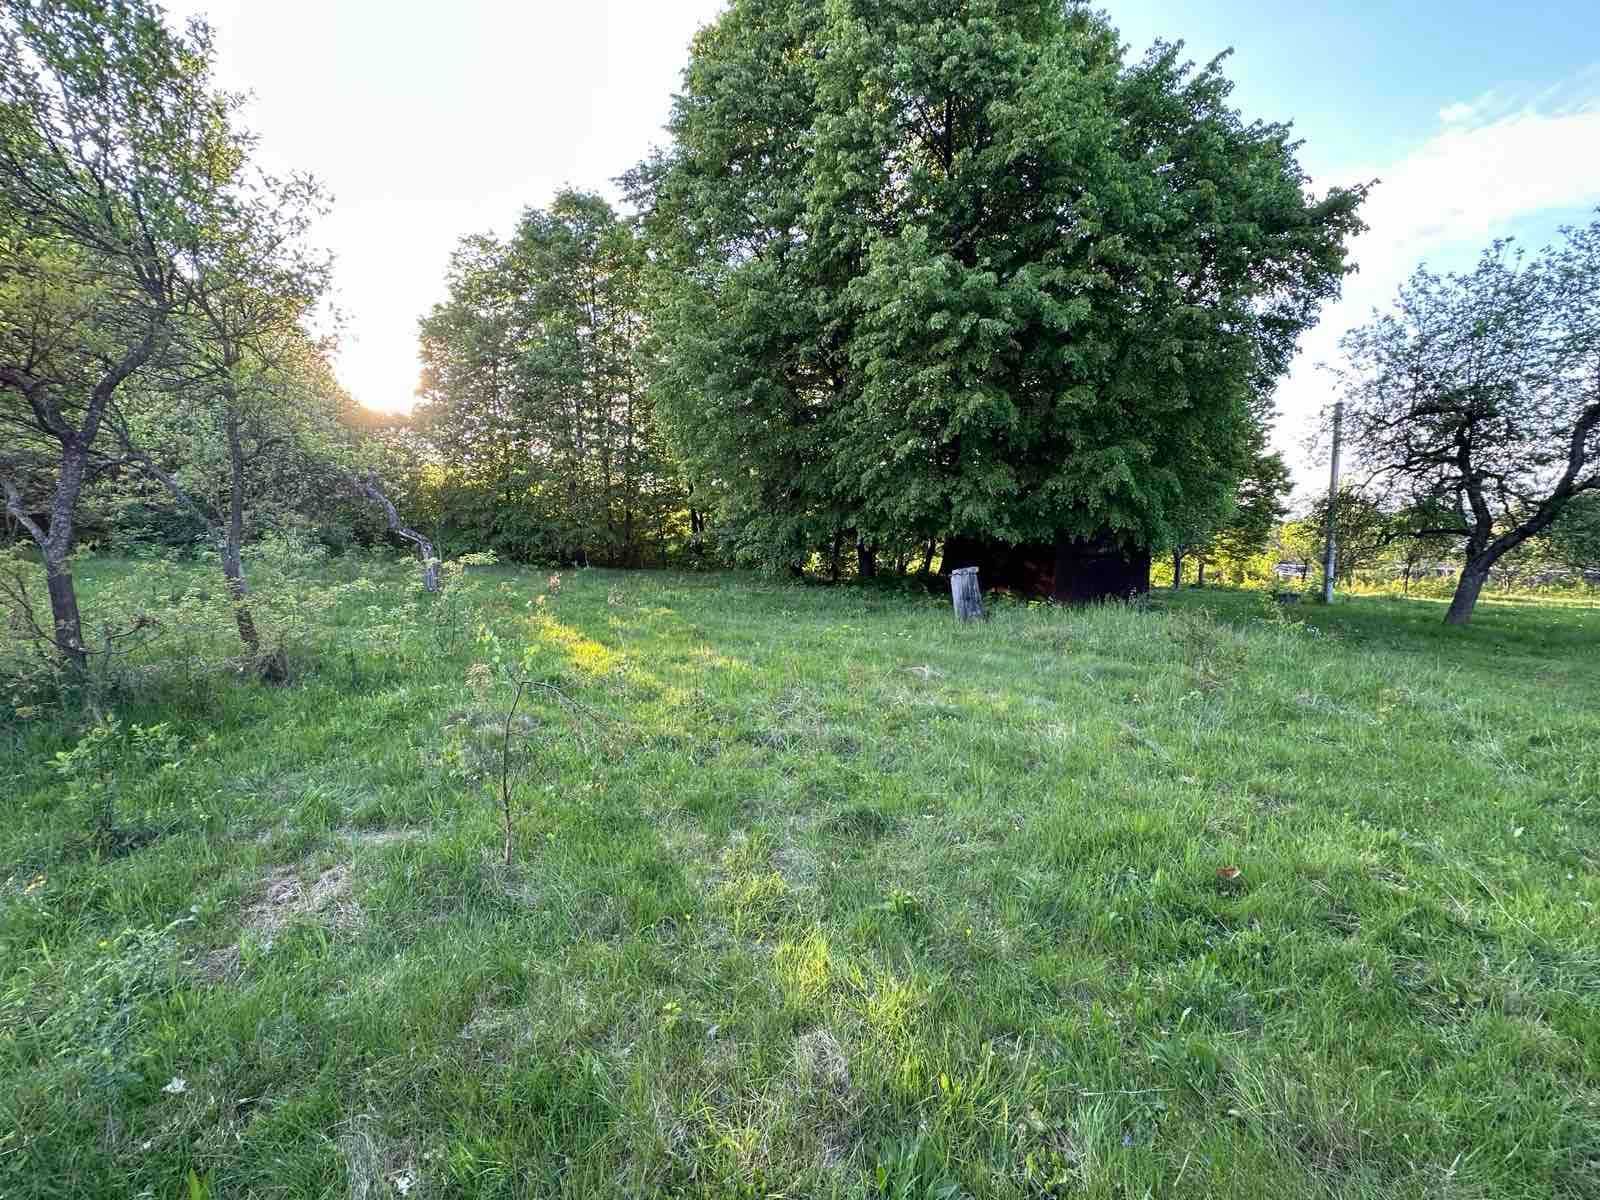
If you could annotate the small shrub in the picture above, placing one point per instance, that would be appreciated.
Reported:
(105, 765)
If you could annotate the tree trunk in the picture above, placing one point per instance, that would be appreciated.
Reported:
(965, 597)
(64, 614)
(1473, 577)
(1482, 554)
(927, 559)
(370, 487)
(55, 546)
(233, 571)
(1200, 574)
(232, 561)
(1177, 569)
(233, 542)
(838, 549)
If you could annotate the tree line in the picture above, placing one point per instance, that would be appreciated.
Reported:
(912, 284)
(535, 395)
(963, 284)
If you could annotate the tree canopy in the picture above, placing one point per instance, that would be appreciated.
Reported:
(117, 156)
(534, 391)
(960, 270)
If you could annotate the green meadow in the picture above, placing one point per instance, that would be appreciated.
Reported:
(813, 892)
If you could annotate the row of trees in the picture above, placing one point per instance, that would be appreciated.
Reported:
(921, 280)
(535, 397)
(915, 281)
(1383, 545)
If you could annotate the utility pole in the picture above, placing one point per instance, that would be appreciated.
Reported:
(1330, 550)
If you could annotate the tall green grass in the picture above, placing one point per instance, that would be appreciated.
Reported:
(846, 900)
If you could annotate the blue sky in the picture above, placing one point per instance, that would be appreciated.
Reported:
(1365, 81)
(1482, 120)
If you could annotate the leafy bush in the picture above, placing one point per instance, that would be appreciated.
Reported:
(109, 763)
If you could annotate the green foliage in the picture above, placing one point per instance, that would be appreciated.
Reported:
(104, 763)
(519, 678)
(102, 1019)
(852, 886)
(1363, 531)
(153, 605)
(1235, 539)
(927, 271)
(1574, 538)
(154, 288)
(1476, 400)
(1259, 506)
(534, 396)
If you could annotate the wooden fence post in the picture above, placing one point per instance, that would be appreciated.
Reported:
(964, 594)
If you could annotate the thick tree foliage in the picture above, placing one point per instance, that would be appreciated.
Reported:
(941, 269)
(1477, 400)
(1573, 539)
(534, 393)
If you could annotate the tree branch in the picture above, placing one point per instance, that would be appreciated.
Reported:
(14, 507)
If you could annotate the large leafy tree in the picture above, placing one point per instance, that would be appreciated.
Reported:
(1478, 398)
(957, 270)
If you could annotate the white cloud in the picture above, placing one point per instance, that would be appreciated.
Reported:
(1490, 166)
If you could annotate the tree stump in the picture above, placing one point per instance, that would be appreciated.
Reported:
(964, 594)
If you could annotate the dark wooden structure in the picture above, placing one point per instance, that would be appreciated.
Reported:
(1073, 570)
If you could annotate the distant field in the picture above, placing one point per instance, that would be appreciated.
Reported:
(833, 897)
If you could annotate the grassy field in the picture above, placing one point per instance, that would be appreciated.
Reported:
(828, 896)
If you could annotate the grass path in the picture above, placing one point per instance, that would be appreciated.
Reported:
(845, 900)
